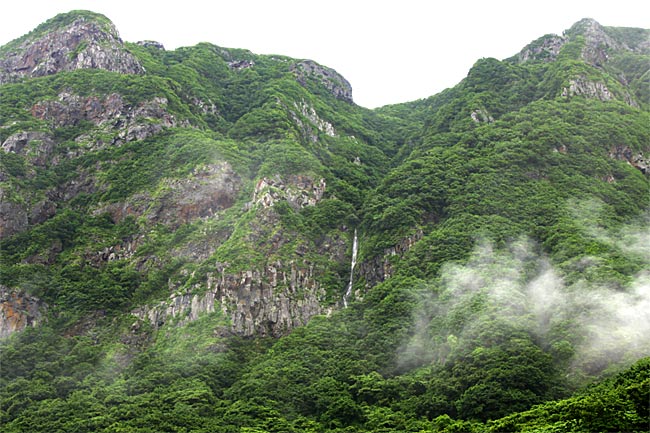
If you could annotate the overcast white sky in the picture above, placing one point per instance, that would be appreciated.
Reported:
(390, 51)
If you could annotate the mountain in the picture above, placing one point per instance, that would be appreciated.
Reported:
(208, 239)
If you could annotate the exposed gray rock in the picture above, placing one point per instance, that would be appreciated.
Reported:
(206, 107)
(13, 215)
(121, 251)
(238, 65)
(110, 112)
(597, 41)
(298, 190)
(545, 49)
(380, 268)
(590, 89)
(41, 211)
(600, 41)
(84, 44)
(271, 301)
(307, 119)
(38, 146)
(636, 159)
(332, 80)
(70, 109)
(481, 115)
(18, 311)
(151, 44)
(210, 189)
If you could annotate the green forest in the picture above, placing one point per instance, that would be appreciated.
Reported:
(212, 240)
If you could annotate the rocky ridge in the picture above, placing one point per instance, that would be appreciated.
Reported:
(112, 117)
(84, 43)
(598, 43)
(332, 80)
(272, 296)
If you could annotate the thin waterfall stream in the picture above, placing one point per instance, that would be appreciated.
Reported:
(353, 263)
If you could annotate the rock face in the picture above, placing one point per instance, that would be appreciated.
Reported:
(18, 311)
(635, 159)
(309, 122)
(83, 44)
(332, 80)
(380, 268)
(111, 111)
(151, 44)
(13, 216)
(211, 188)
(481, 115)
(598, 42)
(590, 89)
(544, 49)
(38, 146)
(269, 298)
(16, 217)
(269, 302)
(298, 190)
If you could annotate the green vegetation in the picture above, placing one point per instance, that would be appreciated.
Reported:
(194, 255)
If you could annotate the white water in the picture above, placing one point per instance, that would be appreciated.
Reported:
(353, 263)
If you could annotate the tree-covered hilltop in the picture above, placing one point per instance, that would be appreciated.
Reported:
(212, 240)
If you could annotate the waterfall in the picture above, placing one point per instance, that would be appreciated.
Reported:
(353, 263)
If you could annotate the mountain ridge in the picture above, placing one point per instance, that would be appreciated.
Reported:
(229, 237)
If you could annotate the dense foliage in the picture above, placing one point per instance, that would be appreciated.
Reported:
(502, 277)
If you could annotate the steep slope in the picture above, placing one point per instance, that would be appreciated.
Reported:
(207, 137)
(82, 40)
(179, 230)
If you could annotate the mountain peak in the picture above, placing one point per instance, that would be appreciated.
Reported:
(69, 41)
(585, 26)
(597, 43)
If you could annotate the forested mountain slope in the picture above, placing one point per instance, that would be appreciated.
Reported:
(207, 239)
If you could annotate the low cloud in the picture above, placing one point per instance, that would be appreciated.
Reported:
(586, 325)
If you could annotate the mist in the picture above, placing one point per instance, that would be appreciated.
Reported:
(589, 325)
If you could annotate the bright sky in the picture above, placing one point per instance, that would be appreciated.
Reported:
(390, 51)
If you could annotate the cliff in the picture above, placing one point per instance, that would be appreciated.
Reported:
(79, 40)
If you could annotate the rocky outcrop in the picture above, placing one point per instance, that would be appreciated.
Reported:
(481, 115)
(111, 111)
(18, 311)
(70, 109)
(543, 49)
(13, 215)
(210, 189)
(38, 146)
(267, 302)
(298, 190)
(333, 81)
(151, 44)
(17, 213)
(86, 43)
(635, 158)
(589, 89)
(206, 107)
(238, 65)
(380, 268)
(307, 120)
(122, 251)
(599, 42)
